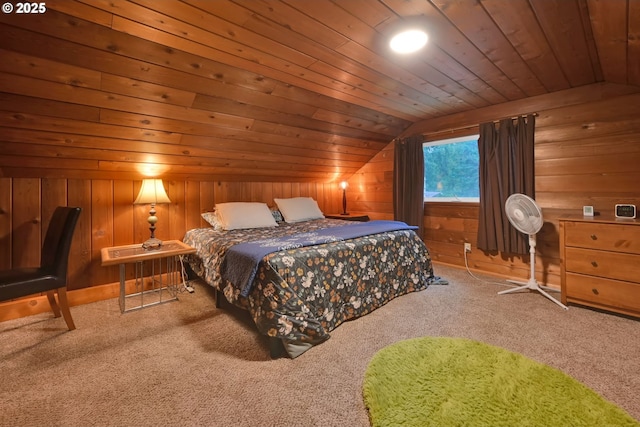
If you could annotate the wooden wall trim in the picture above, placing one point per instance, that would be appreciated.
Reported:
(37, 304)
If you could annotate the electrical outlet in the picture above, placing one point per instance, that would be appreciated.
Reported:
(467, 247)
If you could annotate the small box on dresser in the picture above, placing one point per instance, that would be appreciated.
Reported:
(600, 263)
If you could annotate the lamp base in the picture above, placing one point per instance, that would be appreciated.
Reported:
(152, 243)
(344, 213)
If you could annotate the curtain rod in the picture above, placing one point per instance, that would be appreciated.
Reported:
(465, 127)
(515, 117)
(474, 126)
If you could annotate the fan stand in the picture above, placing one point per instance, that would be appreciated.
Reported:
(533, 283)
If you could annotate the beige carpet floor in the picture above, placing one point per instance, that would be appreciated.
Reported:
(187, 363)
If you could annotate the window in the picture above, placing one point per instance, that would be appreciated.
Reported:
(451, 170)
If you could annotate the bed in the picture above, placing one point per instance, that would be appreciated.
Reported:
(299, 292)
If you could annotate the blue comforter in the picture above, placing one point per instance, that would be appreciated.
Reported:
(241, 261)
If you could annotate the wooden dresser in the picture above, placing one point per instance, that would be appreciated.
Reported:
(600, 263)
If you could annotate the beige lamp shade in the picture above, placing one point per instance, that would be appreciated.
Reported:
(152, 192)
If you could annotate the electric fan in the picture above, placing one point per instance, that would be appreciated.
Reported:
(525, 215)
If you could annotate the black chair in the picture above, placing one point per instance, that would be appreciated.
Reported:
(51, 276)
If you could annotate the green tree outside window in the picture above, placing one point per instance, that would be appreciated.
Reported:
(451, 169)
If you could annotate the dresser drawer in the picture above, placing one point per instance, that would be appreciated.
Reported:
(603, 264)
(608, 237)
(603, 293)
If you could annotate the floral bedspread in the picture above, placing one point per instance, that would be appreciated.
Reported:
(301, 294)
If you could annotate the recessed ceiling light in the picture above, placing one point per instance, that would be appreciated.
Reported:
(409, 41)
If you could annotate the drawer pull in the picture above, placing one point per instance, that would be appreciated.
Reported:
(593, 263)
(594, 237)
(595, 291)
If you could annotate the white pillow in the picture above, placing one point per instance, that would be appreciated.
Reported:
(237, 215)
(299, 209)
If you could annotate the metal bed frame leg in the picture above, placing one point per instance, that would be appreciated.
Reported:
(219, 296)
(275, 347)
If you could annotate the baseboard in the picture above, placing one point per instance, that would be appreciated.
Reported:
(490, 273)
(37, 304)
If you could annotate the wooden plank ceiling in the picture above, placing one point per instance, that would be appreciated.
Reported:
(265, 90)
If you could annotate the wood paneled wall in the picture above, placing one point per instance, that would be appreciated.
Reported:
(587, 153)
(109, 217)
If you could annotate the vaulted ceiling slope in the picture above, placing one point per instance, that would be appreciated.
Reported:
(290, 90)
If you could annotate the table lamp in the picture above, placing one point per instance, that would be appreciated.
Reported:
(344, 185)
(152, 192)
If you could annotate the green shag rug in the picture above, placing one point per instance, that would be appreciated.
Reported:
(459, 382)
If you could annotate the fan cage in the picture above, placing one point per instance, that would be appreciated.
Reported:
(523, 213)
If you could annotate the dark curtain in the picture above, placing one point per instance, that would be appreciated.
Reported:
(408, 181)
(506, 167)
